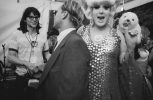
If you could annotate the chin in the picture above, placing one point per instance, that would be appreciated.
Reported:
(101, 24)
(34, 25)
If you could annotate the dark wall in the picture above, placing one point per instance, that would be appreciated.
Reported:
(145, 14)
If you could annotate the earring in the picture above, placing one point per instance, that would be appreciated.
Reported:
(91, 22)
(110, 21)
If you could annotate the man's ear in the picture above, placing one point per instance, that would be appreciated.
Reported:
(64, 14)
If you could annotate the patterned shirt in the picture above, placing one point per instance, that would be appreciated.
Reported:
(22, 44)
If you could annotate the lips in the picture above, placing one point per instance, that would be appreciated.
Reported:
(125, 24)
(101, 17)
(34, 23)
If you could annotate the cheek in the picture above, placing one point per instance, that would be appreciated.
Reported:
(55, 17)
(27, 21)
(108, 12)
(93, 16)
(93, 13)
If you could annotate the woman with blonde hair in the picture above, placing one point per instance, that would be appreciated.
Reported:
(105, 47)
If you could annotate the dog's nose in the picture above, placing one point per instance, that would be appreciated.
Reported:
(128, 20)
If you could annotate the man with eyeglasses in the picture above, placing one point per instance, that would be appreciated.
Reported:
(65, 76)
(27, 51)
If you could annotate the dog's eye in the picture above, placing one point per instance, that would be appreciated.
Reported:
(132, 19)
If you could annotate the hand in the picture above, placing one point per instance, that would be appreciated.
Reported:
(34, 83)
(41, 67)
(130, 41)
(30, 67)
(122, 57)
(35, 69)
(38, 68)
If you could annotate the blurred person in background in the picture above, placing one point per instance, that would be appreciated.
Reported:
(26, 50)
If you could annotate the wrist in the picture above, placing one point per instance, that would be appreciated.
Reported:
(26, 64)
(36, 69)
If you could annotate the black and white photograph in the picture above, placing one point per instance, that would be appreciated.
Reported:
(76, 49)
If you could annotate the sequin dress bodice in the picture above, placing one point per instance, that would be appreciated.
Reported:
(103, 77)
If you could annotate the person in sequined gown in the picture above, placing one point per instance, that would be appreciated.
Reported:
(104, 45)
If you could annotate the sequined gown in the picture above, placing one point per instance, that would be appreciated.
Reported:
(103, 76)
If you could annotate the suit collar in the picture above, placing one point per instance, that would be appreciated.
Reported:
(62, 35)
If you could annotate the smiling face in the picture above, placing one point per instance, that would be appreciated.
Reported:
(128, 21)
(100, 13)
(32, 20)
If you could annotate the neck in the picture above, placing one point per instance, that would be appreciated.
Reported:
(100, 30)
(65, 25)
(31, 30)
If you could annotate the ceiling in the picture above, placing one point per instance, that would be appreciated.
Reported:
(65, 0)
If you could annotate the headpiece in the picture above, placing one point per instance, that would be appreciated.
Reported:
(90, 3)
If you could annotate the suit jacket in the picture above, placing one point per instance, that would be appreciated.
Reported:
(65, 76)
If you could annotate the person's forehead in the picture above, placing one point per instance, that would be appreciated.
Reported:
(103, 3)
(32, 14)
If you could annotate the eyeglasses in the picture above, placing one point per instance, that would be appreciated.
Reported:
(33, 17)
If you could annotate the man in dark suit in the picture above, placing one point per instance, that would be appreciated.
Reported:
(65, 76)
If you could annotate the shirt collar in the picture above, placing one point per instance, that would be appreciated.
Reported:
(64, 33)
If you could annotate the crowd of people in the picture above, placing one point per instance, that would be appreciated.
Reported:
(85, 61)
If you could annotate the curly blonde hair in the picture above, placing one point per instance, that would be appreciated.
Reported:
(91, 3)
(114, 4)
(73, 7)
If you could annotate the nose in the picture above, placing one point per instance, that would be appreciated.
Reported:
(128, 20)
(35, 18)
(101, 9)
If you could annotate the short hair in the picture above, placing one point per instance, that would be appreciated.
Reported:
(75, 12)
(26, 13)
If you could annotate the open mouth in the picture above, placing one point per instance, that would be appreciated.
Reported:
(125, 24)
(34, 23)
(100, 17)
